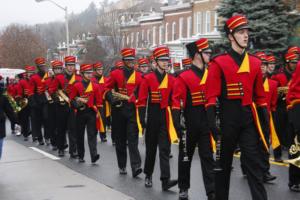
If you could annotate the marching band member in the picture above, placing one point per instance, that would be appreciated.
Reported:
(235, 78)
(154, 93)
(189, 91)
(293, 102)
(85, 97)
(120, 90)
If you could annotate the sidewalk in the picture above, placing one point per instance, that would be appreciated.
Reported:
(28, 175)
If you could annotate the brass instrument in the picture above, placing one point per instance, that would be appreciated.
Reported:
(23, 102)
(120, 97)
(295, 149)
(13, 103)
(63, 98)
(81, 105)
(283, 90)
(48, 97)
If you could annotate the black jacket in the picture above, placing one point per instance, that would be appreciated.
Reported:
(5, 110)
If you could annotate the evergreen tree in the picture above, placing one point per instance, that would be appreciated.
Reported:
(269, 20)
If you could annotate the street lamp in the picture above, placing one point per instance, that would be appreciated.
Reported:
(66, 18)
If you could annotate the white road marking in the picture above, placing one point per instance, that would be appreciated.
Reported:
(45, 153)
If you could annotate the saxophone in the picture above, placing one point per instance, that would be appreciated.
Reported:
(120, 97)
(283, 90)
(16, 108)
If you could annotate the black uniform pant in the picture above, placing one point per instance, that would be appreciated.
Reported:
(197, 134)
(39, 115)
(294, 124)
(71, 129)
(102, 113)
(281, 124)
(24, 117)
(50, 123)
(157, 135)
(237, 127)
(62, 114)
(86, 119)
(124, 128)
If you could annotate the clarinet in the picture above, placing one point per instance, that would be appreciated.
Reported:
(184, 138)
(218, 142)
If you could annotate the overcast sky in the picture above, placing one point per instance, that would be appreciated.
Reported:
(31, 12)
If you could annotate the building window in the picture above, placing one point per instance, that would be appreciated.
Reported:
(189, 27)
(180, 27)
(199, 22)
(132, 39)
(128, 41)
(216, 22)
(161, 34)
(207, 29)
(137, 39)
(167, 32)
(148, 36)
(123, 41)
(173, 31)
(154, 35)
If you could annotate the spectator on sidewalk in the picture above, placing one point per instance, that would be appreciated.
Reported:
(5, 108)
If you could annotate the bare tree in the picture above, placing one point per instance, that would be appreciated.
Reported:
(19, 46)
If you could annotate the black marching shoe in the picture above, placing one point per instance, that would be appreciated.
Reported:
(148, 181)
(61, 153)
(123, 171)
(295, 187)
(183, 194)
(41, 142)
(73, 155)
(136, 172)
(167, 184)
(95, 158)
(268, 177)
(81, 160)
(211, 196)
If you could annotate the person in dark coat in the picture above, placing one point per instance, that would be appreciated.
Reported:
(5, 109)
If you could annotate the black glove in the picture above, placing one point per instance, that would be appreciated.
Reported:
(176, 120)
(264, 119)
(142, 115)
(211, 117)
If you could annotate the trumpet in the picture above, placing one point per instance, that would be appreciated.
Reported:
(294, 150)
